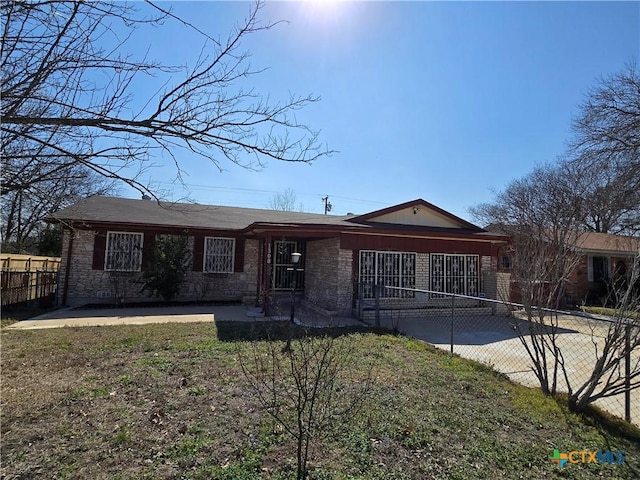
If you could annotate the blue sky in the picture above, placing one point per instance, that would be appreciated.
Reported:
(446, 101)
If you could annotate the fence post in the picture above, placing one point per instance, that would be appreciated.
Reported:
(627, 372)
(56, 302)
(36, 297)
(453, 304)
(376, 295)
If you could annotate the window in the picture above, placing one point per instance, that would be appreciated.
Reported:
(124, 252)
(393, 269)
(219, 254)
(505, 262)
(598, 269)
(454, 274)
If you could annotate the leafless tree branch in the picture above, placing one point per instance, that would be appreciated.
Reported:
(74, 96)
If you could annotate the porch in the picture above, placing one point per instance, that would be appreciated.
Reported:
(320, 280)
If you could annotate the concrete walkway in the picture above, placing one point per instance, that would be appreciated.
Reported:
(69, 317)
(94, 317)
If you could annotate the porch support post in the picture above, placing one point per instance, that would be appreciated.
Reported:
(265, 288)
(259, 271)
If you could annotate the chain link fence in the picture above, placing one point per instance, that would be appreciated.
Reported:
(503, 336)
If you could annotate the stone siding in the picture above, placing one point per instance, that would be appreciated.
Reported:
(328, 282)
(86, 286)
(503, 280)
(488, 277)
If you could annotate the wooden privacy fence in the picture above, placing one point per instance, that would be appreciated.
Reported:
(28, 280)
(28, 263)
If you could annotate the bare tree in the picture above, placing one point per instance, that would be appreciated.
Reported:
(616, 370)
(23, 210)
(541, 213)
(608, 126)
(605, 151)
(71, 97)
(285, 201)
(306, 384)
(612, 199)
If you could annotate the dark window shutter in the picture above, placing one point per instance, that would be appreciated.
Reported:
(148, 247)
(198, 252)
(238, 262)
(99, 247)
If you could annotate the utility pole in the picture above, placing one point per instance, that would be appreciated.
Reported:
(327, 205)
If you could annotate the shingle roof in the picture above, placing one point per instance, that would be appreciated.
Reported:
(590, 242)
(605, 242)
(99, 209)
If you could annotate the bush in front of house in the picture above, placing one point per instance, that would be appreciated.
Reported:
(165, 271)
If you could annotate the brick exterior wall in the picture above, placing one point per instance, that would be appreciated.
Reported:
(577, 286)
(422, 271)
(86, 285)
(328, 282)
(503, 284)
(488, 277)
(579, 289)
(329, 279)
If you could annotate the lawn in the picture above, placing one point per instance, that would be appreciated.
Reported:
(171, 401)
(610, 312)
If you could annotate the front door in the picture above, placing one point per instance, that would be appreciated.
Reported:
(285, 277)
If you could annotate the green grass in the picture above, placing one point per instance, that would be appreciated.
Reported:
(6, 321)
(610, 312)
(170, 401)
(13, 315)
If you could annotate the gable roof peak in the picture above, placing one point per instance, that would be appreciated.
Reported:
(421, 209)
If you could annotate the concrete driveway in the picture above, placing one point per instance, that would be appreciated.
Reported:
(492, 340)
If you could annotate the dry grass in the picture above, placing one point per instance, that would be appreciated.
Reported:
(170, 401)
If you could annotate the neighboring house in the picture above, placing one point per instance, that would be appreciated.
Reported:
(243, 254)
(602, 259)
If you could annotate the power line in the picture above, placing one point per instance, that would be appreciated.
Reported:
(262, 191)
(218, 187)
